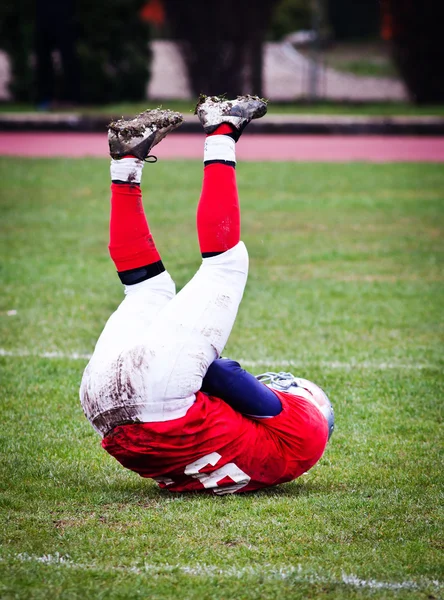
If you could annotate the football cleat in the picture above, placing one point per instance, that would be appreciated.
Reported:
(214, 110)
(137, 136)
(286, 382)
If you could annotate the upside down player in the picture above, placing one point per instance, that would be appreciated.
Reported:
(165, 403)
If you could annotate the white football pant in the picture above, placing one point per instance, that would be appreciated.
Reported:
(156, 348)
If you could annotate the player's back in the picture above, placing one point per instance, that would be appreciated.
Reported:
(217, 449)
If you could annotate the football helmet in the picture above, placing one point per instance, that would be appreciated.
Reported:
(286, 382)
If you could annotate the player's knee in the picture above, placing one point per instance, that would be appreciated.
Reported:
(234, 259)
(160, 286)
(241, 256)
(168, 285)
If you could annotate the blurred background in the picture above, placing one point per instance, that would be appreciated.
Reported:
(76, 53)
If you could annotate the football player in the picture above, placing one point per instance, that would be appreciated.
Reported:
(156, 390)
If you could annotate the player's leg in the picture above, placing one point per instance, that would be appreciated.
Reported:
(148, 286)
(106, 384)
(197, 323)
(240, 389)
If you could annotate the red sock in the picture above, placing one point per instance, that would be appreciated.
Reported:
(223, 129)
(131, 244)
(218, 213)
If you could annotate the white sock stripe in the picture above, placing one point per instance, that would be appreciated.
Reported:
(220, 147)
(127, 169)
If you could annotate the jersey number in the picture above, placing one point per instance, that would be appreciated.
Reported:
(210, 480)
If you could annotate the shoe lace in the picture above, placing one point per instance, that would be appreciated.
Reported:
(281, 381)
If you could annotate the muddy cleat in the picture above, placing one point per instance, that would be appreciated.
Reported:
(137, 136)
(213, 111)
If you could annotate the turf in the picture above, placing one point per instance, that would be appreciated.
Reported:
(346, 282)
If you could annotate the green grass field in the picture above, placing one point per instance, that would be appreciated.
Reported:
(346, 283)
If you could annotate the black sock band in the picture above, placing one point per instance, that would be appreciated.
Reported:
(118, 181)
(210, 254)
(230, 163)
(133, 276)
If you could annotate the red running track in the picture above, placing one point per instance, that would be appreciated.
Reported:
(329, 148)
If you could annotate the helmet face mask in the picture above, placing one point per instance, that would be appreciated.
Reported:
(286, 382)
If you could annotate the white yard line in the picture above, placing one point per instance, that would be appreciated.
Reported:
(267, 572)
(345, 366)
(269, 363)
(65, 355)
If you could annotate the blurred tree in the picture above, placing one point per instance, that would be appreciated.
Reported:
(17, 39)
(221, 43)
(414, 28)
(354, 20)
(290, 16)
(112, 47)
(55, 30)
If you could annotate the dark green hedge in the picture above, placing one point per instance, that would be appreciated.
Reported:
(112, 45)
(346, 19)
(290, 16)
(352, 20)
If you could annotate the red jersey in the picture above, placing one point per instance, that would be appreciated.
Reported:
(217, 449)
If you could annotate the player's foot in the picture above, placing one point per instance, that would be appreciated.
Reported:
(137, 136)
(213, 111)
